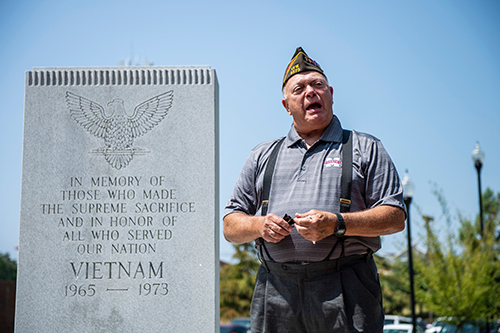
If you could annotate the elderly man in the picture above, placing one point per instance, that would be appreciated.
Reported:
(343, 191)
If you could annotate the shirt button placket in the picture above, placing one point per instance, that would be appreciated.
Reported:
(306, 156)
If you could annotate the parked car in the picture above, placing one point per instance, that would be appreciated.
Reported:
(472, 327)
(401, 328)
(231, 328)
(496, 326)
(241, 321)
(437, 325)
(392, 319)
(466, 328)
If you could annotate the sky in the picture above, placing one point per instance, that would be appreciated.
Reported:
(423, 76)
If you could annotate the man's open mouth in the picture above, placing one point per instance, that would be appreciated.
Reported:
(314, 106)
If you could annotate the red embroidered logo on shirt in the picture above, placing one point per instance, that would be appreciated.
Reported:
(336, 162)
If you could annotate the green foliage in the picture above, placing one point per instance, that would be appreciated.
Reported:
(395, 285)
(460, 278)
(8, 267)
(491, 215)
(237, 283)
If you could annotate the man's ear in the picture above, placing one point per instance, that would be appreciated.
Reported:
(285, 105)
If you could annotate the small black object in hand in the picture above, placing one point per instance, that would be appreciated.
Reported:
(288, 219)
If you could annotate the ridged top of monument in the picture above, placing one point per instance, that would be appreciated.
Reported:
(152, 67)
(121, 76)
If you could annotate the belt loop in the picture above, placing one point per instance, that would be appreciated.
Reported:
(341, 240)
(369, 254)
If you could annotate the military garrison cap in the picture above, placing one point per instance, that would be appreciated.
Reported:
(300, 63)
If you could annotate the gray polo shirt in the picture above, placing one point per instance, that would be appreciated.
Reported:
(306, 179)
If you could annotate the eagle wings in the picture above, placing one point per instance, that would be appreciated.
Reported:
(115, 126)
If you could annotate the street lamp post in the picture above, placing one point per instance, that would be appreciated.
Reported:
(408, 190)
(478, 157)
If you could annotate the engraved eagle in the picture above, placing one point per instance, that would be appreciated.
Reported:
(115, 126)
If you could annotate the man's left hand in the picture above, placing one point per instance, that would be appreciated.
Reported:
(315, 225)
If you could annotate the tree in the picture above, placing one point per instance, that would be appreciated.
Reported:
(8, 267)
(237, 283)
(459, 278)
(491, 213)
(395, 285)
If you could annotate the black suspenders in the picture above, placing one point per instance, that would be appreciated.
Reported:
(345, 194)
(266, 189)
(345, 187)
(268, 176)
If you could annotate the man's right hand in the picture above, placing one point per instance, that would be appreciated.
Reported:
(240, 228)
(274, 228)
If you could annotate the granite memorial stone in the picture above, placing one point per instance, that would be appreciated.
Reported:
(119, 201)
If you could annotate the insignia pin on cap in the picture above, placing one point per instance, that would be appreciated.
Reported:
(300, 63)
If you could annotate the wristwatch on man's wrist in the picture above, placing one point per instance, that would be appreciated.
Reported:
(340, 229)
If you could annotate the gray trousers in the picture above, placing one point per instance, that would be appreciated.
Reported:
(338, 296)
